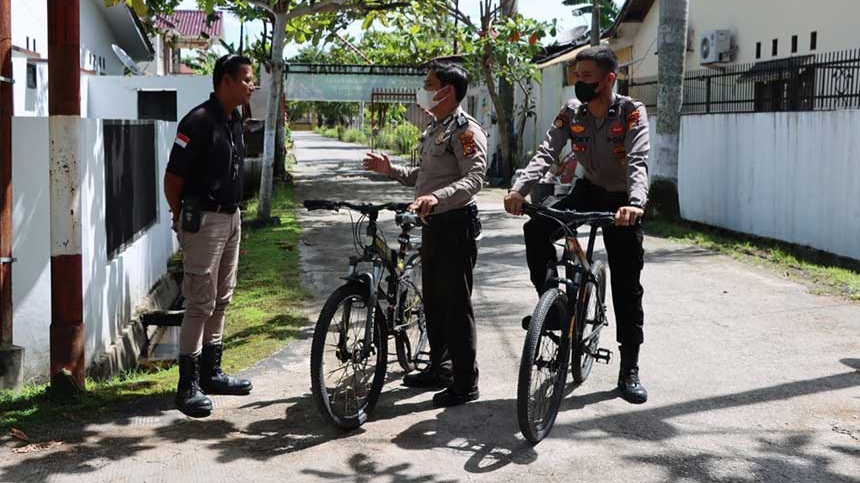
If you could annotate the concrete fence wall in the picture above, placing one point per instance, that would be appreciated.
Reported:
(113, 287)
(788, 176)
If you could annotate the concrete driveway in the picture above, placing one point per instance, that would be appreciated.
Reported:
(752, 379)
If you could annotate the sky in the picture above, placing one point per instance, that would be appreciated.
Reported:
(544, 10)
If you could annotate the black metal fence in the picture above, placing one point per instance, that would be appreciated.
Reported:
(820, 82)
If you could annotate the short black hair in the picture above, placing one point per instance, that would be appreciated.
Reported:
(228, 65)
(451, 74)
(601, 55)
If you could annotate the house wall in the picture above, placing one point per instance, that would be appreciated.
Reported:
(113, 287)
(115, 97)
(786, 176)
(97, 39)
(752, 22)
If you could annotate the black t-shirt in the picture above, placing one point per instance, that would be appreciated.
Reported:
(209, 153)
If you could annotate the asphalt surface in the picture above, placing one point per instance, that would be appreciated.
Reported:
(752, 379)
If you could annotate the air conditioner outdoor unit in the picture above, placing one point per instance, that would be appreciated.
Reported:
(715, 46)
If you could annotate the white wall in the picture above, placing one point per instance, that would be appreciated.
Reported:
(31, 274)
(787, 176)
(115, 97)
(112, 287)
(30, 19)
(757, 21)
(96, 40)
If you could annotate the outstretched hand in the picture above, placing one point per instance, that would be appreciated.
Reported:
(378, 163)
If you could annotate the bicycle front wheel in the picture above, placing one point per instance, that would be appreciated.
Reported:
(543, 366)
(347, 372)
(413, 350)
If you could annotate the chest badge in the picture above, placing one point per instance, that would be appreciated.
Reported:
(440, 138)
(617, 129)
(577, 129)
(580, 148)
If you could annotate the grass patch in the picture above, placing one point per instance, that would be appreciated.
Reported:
(824, 273)
(264, 316)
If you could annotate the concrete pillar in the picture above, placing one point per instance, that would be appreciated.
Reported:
(64, 108)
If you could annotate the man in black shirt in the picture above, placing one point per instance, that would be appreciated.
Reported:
(203, 186)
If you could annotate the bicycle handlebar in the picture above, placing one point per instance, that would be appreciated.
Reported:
(599, 218)
(363, 208)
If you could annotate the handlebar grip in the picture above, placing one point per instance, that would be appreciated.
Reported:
(405, 218)
(311, 205)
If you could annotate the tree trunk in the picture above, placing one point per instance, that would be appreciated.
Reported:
(672, 45)
(595, 23)
(264, 211)
(505, 116)
(280, 168)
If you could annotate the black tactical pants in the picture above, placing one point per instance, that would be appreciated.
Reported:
(623, 248)
(448, 255)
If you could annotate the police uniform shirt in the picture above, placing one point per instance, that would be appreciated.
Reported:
(209, 153)
(453, 162)
(613, 151)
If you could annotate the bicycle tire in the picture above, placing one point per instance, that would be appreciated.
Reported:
(327, 401)
(412, 343)
(587, 317)
(536, 422)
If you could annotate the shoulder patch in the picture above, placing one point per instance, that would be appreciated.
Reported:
(469, 147)
(633, 119)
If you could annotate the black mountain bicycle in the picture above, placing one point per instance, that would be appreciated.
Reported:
(565, 326)
(380, 299)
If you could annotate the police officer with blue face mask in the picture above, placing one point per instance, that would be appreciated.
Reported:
(609, 137)
(450, 175)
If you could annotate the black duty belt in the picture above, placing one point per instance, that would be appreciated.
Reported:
(209, 205)
(466, 212)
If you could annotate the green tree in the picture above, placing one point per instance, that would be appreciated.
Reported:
(608, 10)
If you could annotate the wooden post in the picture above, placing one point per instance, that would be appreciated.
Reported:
(64, 109)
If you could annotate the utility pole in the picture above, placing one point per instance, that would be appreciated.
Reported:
(11, 357)
(672, 46)
(595, 23)
(64, 121)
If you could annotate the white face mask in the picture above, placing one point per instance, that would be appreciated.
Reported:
(424, 98)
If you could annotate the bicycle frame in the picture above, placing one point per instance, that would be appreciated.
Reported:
(384, 260)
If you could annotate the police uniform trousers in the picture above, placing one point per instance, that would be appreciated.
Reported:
(448, 254)
(623, 248)
(210, 262)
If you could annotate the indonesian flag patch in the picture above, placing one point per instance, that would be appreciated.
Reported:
(181, 140)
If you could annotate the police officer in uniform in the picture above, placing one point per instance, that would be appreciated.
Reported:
(451, 173)
(203, 186)
(609, 136)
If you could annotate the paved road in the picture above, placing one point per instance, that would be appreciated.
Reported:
(752, 379)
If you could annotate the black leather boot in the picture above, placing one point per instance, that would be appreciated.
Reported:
(189, 399)
(629, 384)
(214, 381)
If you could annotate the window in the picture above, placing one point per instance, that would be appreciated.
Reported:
(794, 44)
(758, 50)
(813, 41)
(157, 105)
(569, 74)
(32, 78)
(795, 91)
(775, 47)
(130, 181)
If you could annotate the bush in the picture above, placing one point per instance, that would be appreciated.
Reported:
(355, 136)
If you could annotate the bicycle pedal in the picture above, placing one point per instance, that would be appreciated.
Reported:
(603, 356)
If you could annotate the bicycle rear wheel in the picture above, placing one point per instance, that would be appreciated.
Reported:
(543, 367)
(413, 349)
(346, 375)
(589, 318)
